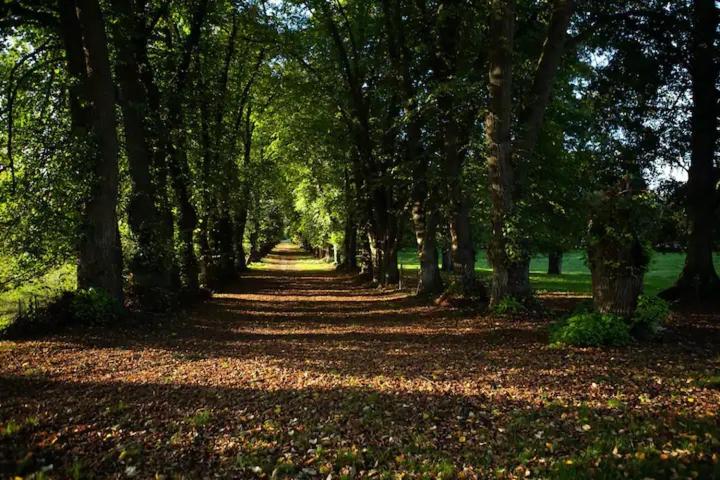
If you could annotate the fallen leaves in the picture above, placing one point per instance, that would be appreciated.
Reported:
(303, 374)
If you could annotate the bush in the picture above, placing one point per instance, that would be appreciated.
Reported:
(94, 306)
(509, 306)
(591, 330)
(650, 315)
(83, 307)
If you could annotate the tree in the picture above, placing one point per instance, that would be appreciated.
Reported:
(508, 156)
(99, 251)
(152, 264)
(699, 280)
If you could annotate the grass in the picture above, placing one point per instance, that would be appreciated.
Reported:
(48, 286)
(664, 270)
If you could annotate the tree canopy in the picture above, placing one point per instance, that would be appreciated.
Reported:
(162, 145)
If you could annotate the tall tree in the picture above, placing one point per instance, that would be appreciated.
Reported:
(698, 279)
(509, 154)
(423, 195)
(178, 166)
(151, 281)
(100, 255)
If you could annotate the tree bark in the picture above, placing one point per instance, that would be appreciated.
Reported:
(100, 255)
(461, 245)
(208, 269)
(222, 235)
(242, 209)
(507, 276)
(151, 283)
(425, 224)
(555, 259)
(348, 261)
(161, 151)
(383, 237)
(349, 255)
(239, 227)
(699, 280)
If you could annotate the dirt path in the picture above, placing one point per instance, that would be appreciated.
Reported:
(299, 371)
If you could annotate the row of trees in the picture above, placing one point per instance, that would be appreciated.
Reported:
(526, 126)
(146, 111)
(157, 140)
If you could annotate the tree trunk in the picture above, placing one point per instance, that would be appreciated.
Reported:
(390, 260)
(423, 220)
(242, 209)
(151, 283)
(222, 234)
(447, 263)
(508, 279)
(615, 291)
(461, 247)
(187, 221)
(206, 271)
(555, 259)
(239, 229)
(425, 227)
(161, 151)
(349, 247)
(699, 280)
(508, 255)
(366, 264)
(100, 255)
(179, 170)
(375, 253)
(348, 260)
(383, 239)
(206, 227)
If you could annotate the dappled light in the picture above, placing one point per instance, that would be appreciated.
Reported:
(264, 375)
(346, 239)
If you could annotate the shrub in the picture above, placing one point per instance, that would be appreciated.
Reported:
(650, 315)
(509, 306)
(91, 306)
(94, 306)
(590, 330)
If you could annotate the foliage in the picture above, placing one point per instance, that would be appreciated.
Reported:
(94, 306)
(81, 307)
(621, 230)
(591, 330)
(586, 327)
(322, 394)
(650, 315)
(509, 306)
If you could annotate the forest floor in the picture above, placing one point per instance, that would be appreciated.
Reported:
(300, 372)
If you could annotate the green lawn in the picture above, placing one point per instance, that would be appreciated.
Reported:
(664, 269)
(50, 285)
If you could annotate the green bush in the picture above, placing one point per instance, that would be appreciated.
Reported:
(591, 330)
(84, 307)
(94, 306)
(509, 306)
(650, 315)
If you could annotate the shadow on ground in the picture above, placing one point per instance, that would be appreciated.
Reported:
(298, 371)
